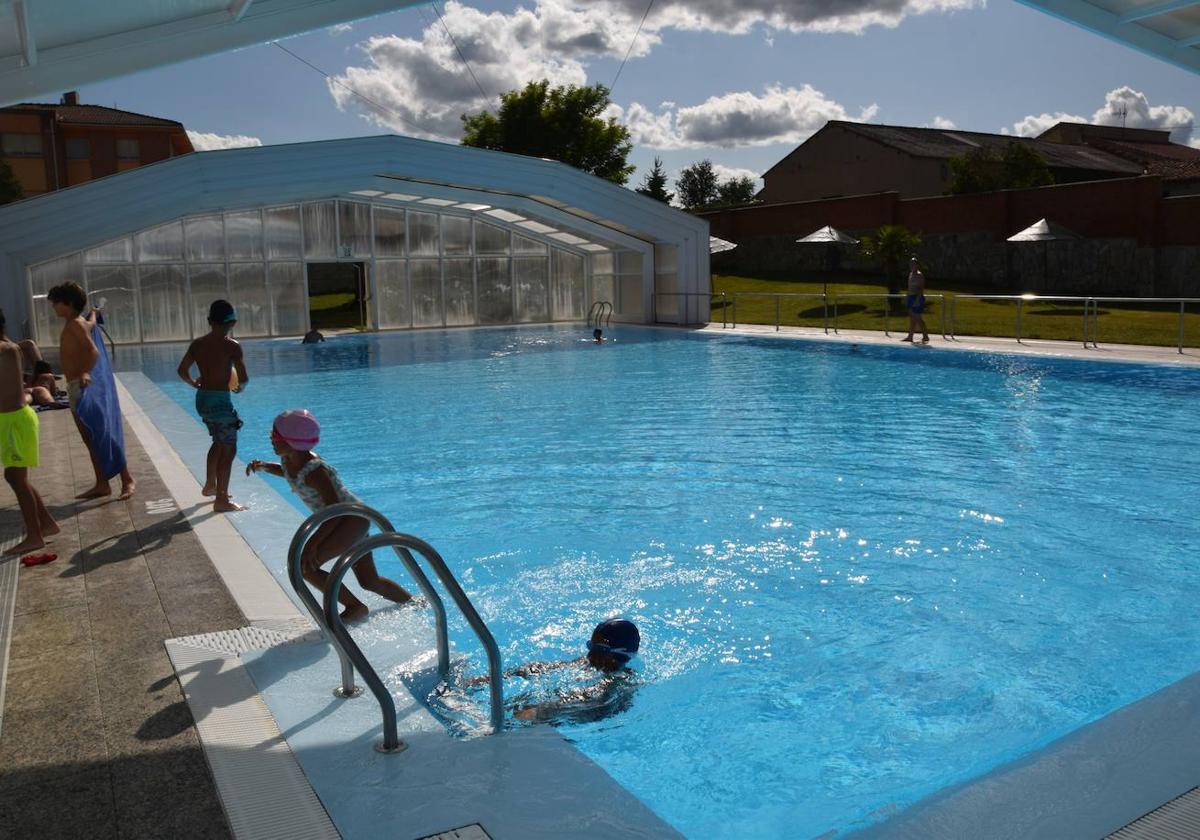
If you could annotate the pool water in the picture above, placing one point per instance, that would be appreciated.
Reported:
(861, 574)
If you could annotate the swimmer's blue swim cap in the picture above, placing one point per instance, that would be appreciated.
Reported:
(620, 639)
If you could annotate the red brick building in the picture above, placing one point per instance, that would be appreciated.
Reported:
(50, 147)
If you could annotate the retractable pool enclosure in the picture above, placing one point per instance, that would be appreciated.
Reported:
(371, 233)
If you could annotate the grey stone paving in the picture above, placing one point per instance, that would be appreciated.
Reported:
(97, 740)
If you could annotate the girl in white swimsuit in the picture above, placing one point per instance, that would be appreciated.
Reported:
(318, 485)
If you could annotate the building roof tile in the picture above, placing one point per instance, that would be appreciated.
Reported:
(96, 115)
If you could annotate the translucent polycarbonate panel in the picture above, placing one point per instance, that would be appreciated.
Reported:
(456, 236)
(629, 297)
(667, 302)
(286, 281)
(354, 226)
(114, 289)
(319, 232)
(208, 284)
(530, 280)
(422, 234)
(525, 245)
(425, 278)
(391, 288)
(460, 292)
(164, 302)
(205, 237)
(244, 233)
(161, 244)
(117, 251)
(490, 239)
(494, 291)
(389, 232)
(283, 232)
(603, 287)
(603, 264)
(566, 286)
(46, 325)
(666, 258)
(248, 294)
(629, 262)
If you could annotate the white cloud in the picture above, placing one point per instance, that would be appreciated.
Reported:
(205, 142)
(943, 123)
(1138, 113)
(341, 28)
(725, 173)
(423, 86)
(778, 115)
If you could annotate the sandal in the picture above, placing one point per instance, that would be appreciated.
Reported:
(38, 559)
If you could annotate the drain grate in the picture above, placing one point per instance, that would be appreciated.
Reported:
(1179, 819)
(474, 831)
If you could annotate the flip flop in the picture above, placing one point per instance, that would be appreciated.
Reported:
(38, 559)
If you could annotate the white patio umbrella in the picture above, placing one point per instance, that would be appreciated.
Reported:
(1043, 230)
(830, 236)
(717, 245)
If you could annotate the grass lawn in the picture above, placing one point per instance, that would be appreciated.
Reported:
(1117, 323)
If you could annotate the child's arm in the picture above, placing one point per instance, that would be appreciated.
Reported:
(239, 367)
(185, 367)
(265, 466)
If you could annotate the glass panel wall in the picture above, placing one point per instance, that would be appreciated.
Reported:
(289, 301)
(244, 233)
(320, 232)
(117, 251)
(460, 292)
(283, 232)
(494, 291)
(114, 288)
(205, 237)
(566, 286)
(425, 278)
(391, 289)
(161, 244)
(354, 227)
(389, 232)
(45, 324)
(456, 236)
(164, 294)
(529, 275)
(422, 234)
(248, 294)
(490, 239)
(629, 302)
(208, 284)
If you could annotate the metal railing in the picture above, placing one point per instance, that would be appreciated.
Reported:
(296, 576)
(600, 311)
(886, 308)
(685, 295)
(1183, 302)
(391, 742)
(825, 305)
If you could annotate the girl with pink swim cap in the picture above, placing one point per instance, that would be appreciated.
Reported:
(293, 436)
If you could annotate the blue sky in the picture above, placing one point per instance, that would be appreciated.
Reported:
(740, 92)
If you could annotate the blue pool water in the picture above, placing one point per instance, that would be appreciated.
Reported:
(861, 574)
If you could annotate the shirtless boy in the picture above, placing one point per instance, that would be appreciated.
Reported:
(78, 355)
(217, 357)
(19, 447)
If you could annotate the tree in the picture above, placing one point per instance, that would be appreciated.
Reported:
(654, 184)
(697, 186)
(736, 191)
(562, 123)
(892, 246)
(1019, 166)
(10, 187)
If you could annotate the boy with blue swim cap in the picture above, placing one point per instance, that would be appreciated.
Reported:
(614, 642)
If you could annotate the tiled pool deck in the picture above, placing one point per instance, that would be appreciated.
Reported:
(96, 738)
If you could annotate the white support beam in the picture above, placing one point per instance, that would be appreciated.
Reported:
(238, 8)
(1154, 10)
(24, 34)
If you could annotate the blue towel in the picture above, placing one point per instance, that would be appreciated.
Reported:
(100, 412)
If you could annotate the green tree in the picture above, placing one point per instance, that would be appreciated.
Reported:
(736, 191)
(561, 123)
(654, 183)
(697, 186)
(892, 246)
(10, 187)
(975, 172)
(1022, 167)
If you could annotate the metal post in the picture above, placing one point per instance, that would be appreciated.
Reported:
(724, 307)
(953, 312)
(1019, 302)
(1181, 307)
(735, 294)
(887, 304)
(835, 316)
(1085, 322)
(1095, 324)
(825, 311)
(943, 317)
(776, 313)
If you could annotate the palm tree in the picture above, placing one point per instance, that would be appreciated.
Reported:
(892, 246)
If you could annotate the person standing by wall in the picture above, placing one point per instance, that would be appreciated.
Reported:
(19, 447)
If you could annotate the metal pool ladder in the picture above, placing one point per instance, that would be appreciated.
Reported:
(600, 314)
(349, 654)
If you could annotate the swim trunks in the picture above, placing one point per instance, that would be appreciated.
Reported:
(915, 303)
(73, 392)
(215, 408)
(19, 438)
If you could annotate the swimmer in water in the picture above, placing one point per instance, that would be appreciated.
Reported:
(613, 644)
(598, 334)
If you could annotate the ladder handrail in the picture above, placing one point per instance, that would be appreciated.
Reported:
(597, 312)
(343, 565)
(295, 574)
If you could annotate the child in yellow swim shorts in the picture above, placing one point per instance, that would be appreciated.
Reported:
(19, 438)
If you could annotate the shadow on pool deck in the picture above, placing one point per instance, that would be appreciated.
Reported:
(96, 739)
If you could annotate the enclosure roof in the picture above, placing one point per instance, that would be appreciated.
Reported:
(48, 46)
(1165, 29)
(384, 168)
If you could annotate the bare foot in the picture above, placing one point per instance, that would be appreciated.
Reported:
(352, 614)
(208, 490)
(227, 505)
(97, 492)
(49, 529)
(925, 340)
(127, 490)
(26, 545)
(907, 339)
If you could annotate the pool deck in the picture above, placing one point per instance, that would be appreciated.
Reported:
(92, 712)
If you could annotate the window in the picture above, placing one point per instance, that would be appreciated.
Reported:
(129, 149)
(21, 145)
(78, 148)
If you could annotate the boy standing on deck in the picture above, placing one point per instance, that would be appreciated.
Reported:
(222, 371)
(19, 447)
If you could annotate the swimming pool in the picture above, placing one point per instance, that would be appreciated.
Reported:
(861, 574)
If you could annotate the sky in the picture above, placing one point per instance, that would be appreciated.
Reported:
(737, 82)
